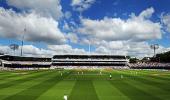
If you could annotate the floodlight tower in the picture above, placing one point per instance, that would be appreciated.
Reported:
(154, 47)
(89, 47)
(22, 41)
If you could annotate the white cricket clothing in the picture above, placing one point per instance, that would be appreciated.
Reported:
(65, 97)
(121, 76)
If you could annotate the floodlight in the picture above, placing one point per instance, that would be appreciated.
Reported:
(154, 47)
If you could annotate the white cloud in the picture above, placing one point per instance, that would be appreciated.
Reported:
(136, 28)
(76, 2)
(113, 44)
(122, 37)
(166, 21)
(81, 5)
(66, 26)
(65, 49)
(5, 49)
(31, 50)
(39, 29)
(67, 14)
(28, 50)
(42, 7)
(147, 13)
(72, 37)
(109, 35)
(136, 49)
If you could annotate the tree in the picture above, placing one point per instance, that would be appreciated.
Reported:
(162, 57)
(133, 60)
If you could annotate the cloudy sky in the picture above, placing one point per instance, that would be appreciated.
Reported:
(118, 27)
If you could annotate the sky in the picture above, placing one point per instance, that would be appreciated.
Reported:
(117, 27)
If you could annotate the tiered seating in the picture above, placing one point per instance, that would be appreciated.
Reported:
(150, 65)
(25, 62)
(89, 60)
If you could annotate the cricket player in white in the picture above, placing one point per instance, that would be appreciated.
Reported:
(100, 73)
(110, 76)
(121, 76)
(65, 97)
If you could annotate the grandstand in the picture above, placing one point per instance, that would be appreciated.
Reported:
(74, 61)
(64, 61)
(8, 61)
(150, 65)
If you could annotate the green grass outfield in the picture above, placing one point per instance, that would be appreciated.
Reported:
(91, 85)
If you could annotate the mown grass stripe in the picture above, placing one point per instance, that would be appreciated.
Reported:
(58, 91)
(83, 90)
(132, 92)
(37, 90)
(14, 76)
(13, 73)
(150, 89)
(106, 91)
(155, 84)
(158, 87)
(22, 79)
(138, 86)
(150, 82)
(24, 85)
(164, 78)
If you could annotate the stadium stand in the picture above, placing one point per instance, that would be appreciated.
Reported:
(150, 65)
(0, 63)
(8, 61)
(77, 61)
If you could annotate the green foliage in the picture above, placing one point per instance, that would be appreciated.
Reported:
(163, 57)
(133, 60)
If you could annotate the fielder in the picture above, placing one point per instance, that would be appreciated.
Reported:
(110, 76)
(65, 97)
